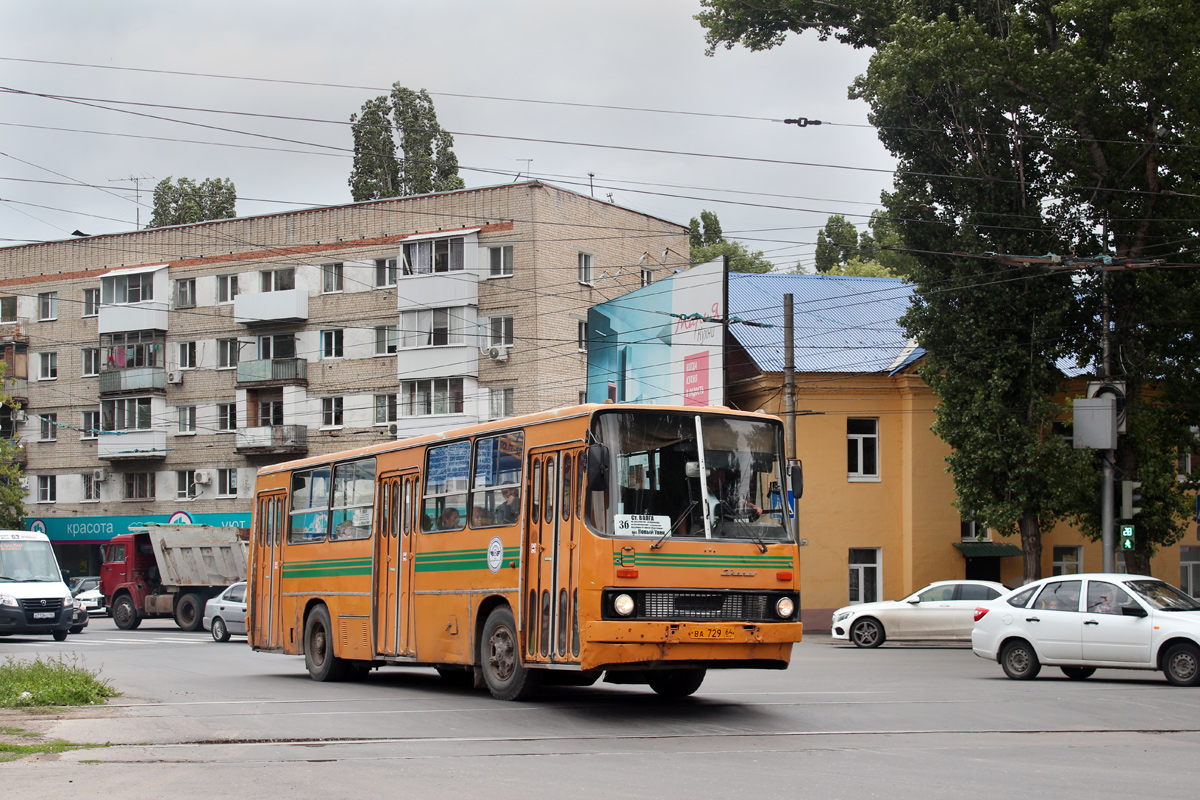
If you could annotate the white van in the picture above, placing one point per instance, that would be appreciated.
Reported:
(33, 596)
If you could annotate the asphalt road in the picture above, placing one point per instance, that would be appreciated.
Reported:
(198, 719)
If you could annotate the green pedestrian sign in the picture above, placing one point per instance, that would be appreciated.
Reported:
(1126, 537)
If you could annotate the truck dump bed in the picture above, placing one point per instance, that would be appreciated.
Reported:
(199, 555)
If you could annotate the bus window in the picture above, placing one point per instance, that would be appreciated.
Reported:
(566, 493)
(445, 503)
(581, 490)
(309, 517)
(353, 499)
(496, 480)
(550, 489)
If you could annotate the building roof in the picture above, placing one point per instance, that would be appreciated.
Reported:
(842, 324)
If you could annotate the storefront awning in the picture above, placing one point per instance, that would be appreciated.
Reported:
(988, 549)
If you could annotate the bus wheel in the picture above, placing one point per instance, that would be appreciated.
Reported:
(676, 682)
(124, 613)
(507, 678)
(188, 613)
(322, 664)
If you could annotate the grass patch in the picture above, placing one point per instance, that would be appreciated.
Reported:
(11, 752)
(56, 681)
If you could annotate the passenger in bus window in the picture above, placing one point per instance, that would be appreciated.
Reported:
(480, 517)
(451, 519)
(510, 509)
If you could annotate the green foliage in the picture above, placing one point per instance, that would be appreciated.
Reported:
(12, 494)
(186, 201)
(836, 244)
(51, 682)
(404, 119)
(842, 250)
(708, 242)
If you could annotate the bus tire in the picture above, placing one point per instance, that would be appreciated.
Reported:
(124, 613)
(189, 614)
(319, 658)
(676, 682)
(500, 657)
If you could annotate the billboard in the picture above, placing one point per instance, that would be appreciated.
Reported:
(662, 343)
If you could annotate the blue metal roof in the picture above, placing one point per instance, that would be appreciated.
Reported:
(842, 324)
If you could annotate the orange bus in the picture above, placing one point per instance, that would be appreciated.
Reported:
(645, 543)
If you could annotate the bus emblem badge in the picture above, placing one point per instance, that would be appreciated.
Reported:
(495, 554)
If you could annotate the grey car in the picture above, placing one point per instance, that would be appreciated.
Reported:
(225, 614)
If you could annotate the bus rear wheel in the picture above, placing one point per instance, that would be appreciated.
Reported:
(506, 677)
(319, 659)
(676, 682)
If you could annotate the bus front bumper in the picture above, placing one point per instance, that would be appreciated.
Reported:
(619, 642)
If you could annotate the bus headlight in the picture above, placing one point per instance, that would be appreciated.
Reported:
(623, 605)
(785, 607)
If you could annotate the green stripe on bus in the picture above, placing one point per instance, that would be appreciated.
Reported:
(699, 560)
(452, 560)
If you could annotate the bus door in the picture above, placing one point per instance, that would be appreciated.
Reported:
(393, 564)
(267, 571)
(551, 557)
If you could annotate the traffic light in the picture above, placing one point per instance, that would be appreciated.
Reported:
(1130, 496)
(1126, 537)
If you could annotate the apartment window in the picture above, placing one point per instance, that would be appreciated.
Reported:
(90, 425)
(126, 289)
(47, 306)
(227, 288)
(91, 302)
(8, 309)
(91, 488)
(187, 419)
(135, 349)
(1067, 560)
(270, 413)
(276, 346)
(441, 255)
(125, 414)
(139, 485)
(227, 353)
(647, 277)
(331, 412)
(385, 272)
(278, 280)
(331, 277)
(91, 361)
(331, 343)
(387, 339)
(187, 355)
(972, 531)
(385, 408)
(227, 482)
(581, 335)
(434, 327)
(185, 484)
(48, 366)
(47, 488)
(586, 261)
(864, 575)
(500, 331)
(227, 417)
(1189, 569)
(185, 293)
(862, 449)
(500, 402)
(440, 396)
(500, 260)
(48, 428)
(582, 396)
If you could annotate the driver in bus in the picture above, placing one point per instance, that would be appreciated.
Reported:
(722, 497)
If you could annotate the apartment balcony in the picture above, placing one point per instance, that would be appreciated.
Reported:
(20, 455)
(17, 389)
(150, 315)
(440, 290)
(132, 446)
(272, 440)
(133, 380)
(265, 308)
(273, 372)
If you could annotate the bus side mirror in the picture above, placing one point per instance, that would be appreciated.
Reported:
(796, 479)
(597, 468)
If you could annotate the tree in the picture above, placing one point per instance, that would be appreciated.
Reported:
(186, 201)
(426, 162)
(836, 244)
(708, 242)
(1029, 127)
(12, 494)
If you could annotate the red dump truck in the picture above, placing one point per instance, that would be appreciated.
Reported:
(170, 571)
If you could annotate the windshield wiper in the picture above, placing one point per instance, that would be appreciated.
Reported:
(678, 521)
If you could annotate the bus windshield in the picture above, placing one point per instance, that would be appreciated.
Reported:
(25, 560)
(690, 475)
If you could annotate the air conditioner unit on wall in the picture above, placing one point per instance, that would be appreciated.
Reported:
(204, 477)
(392, 429)
(175, 376)
(99, 475)
(498, 353)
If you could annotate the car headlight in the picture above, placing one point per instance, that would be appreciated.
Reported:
(842, 615)
(785, 607)
(9, 600)
(78, 603)
(623, 605)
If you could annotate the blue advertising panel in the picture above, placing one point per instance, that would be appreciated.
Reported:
(100, 529)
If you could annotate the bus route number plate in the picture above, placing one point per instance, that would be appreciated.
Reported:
(711, 633)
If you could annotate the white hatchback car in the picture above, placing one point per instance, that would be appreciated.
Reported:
(943, 610)
(1081, 622)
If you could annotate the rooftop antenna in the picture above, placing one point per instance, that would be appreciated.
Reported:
(591, 186)
(137, 191)
(527, 161)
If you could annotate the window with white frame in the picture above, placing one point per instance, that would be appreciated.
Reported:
(47, 488)
(331, 277)
(862, 449)
(438, 396)
(47, 306)
(331, 343)
(227, 288)
(226, 417)
(586, 264)
(48, 428)
(276, 346)
(582, 396)
(90, 425)
(187, 355)
(385, 408)
(500, 331)
(433, 327)
(186, 419)
(1068, 560)
(581, 335)
(91, 302)
(91, 361)
(227, 482)
(139, 486)
(1189, 569)
(127, 289)
(185, 484)
(972, 531)
(125, 414)
(385, 272)
(500, 261)
(500, 402)
(278, 280)
(864, 575)
(91, 488)
(387, 339)
(429, 256)
(647, 277)
(185, 293)
(331, 412)
(270, 412)
(227, 353)
(129, 349)
(48, 366)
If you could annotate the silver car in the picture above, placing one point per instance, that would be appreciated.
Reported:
(943, 610)
(225, 614)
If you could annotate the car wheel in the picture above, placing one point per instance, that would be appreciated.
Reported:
(1079, 673)
(189, 615)
(506, 677)
(319, 658)
(867, 632)
(124, 613)
(1019, 660)
(77, 629)
(677, 682)
(1181, 664)
(220, 633)
(59, 636)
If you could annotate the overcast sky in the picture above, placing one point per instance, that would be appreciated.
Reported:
(66, 165)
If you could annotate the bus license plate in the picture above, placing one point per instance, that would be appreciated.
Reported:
(43, 615)
(711, 633)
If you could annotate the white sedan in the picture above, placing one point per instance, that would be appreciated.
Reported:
(1081, 622)
(943, 610)
(226, 613)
